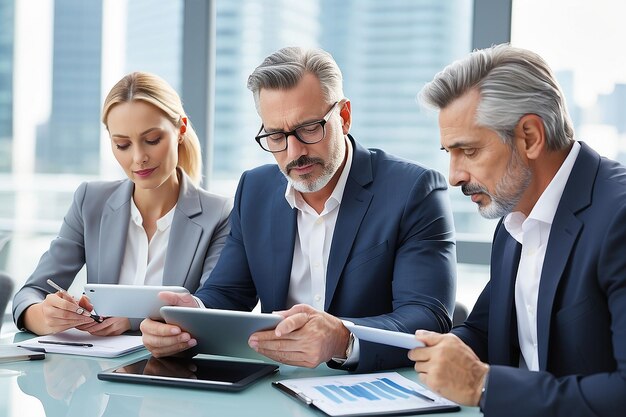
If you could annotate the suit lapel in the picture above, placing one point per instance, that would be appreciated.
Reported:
(185, 234)
(354, 204)
(563, 235)
(564, 232)
(502, 319)
(283, 231)
(113, 232)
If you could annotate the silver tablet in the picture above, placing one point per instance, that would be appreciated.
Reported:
(386, 337)
(201, 373)
(133, 301)
(221, 332)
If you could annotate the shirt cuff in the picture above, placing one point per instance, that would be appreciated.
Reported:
(199, 301)
(483, 395)
(352, 361)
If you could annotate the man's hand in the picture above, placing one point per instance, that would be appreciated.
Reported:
(449, 367)
(306, 337)
(163, 339)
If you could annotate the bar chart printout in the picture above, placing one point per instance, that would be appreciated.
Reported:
(365, 394)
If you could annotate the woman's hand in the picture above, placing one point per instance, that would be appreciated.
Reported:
(57, 312)
(110, 326)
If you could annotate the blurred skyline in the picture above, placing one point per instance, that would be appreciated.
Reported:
(385, 50)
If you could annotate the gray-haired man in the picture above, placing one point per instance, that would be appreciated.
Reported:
(547, 337)
(332, 230)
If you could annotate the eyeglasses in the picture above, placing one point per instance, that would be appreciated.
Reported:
(308, 133)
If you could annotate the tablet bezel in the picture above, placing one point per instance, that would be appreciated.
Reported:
(221, 332)
(257, 371)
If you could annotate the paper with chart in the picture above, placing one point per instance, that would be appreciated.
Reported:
(365, 394)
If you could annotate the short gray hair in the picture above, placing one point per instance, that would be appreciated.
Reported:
(285, 68)
(512, 82)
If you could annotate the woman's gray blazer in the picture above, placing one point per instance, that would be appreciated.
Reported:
(94, 233)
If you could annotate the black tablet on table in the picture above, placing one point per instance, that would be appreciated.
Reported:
(197, 372)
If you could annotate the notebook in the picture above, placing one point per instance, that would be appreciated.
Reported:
(77, 342)
(13, 353)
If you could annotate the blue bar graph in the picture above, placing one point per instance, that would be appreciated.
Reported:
(404, 389)
(358, 391)
(376, 390)
(380, 389)
(328, 394)
(335, 389)
(390, 390)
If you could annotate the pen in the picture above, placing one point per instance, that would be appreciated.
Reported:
(57, 287)
(296, 394)
(53, 342)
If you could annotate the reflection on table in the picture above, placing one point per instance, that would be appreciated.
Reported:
(66, 385)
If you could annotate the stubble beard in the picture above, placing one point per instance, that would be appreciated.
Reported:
(508, 192)
(306, 183)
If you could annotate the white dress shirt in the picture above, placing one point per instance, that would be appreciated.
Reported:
(144, 260)
(307, 284)
(533, 233)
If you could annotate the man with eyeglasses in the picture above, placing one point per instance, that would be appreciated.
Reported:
(332, 230)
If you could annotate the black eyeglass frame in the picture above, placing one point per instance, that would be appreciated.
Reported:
(322, 122)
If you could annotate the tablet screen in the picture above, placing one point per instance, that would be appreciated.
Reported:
(191, 372)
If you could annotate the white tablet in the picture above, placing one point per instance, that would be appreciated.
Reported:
(386, 337)
(132, 301)
(221, 332)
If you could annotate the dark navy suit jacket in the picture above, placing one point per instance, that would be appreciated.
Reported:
(392, 257)
(581, 309)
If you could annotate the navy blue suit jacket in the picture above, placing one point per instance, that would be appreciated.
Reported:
(392, 257)
(581, 309)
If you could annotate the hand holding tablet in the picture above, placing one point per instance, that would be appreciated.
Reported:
(385, 337)
(221, 332)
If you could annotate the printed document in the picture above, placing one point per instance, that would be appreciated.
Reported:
(365, 395)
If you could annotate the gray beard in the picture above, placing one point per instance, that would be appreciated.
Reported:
(508, 191)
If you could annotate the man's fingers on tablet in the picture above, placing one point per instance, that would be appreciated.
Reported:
(176, 299)
(159, 351)
(156, 328)
(291, 323)
(177, 342)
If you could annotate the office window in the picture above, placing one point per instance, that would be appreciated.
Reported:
(386, 52)
(582, 42)
(59, 58)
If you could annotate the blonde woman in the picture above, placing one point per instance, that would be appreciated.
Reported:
(157, 227)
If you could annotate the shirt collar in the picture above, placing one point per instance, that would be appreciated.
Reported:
(294, 197)
(545, 208)
(162, 224)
